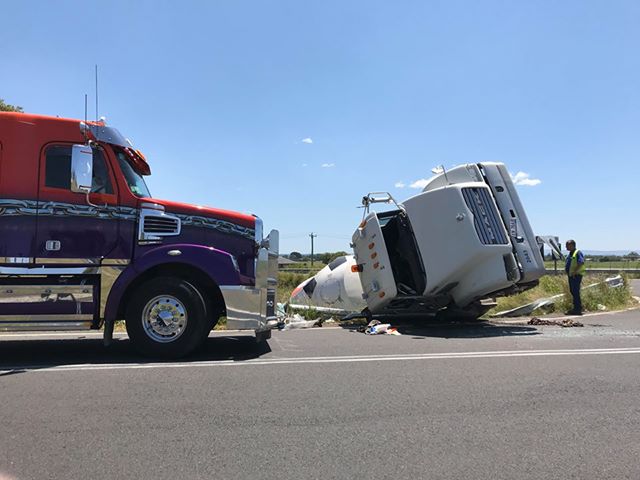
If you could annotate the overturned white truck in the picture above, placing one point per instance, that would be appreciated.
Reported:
(464, 239)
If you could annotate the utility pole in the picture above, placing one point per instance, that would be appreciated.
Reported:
(312, 235)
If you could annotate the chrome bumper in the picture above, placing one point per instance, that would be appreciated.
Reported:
(251, 308)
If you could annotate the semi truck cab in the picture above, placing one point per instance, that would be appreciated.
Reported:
(464, 238)
(83, 244)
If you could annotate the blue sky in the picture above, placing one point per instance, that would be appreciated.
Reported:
(221, 96)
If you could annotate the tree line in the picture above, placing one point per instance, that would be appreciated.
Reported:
(326, 257)
(7, 107)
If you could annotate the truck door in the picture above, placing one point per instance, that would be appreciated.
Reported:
(73, 228)
(17, 208)
(376, 275)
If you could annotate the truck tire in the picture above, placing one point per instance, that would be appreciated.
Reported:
(167, 318)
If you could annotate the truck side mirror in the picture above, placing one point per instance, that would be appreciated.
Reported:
(81, 168)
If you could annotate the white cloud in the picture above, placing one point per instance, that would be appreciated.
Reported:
(328, 165)
(523, 178)
(399, 185)
(420, 183)
(307, 140)
(304, 164)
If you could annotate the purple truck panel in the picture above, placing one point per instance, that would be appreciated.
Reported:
(17, 236)
(241, 248)
(47, 308)
(215, 263)
(85, 237)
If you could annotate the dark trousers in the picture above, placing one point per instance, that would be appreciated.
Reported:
(574, 288)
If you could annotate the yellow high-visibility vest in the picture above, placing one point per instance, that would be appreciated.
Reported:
(575, 268)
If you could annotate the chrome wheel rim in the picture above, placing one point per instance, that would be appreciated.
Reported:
(164, 318)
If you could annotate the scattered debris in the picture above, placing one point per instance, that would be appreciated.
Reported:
(566, 322)
(376, 328)
(613, 282)
(297, 321)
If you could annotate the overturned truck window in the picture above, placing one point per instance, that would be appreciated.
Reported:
(403, 253)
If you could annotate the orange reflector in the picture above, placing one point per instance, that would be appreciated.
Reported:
(362, 224)
(371, 245)
(356, 268)
(376, 265)
(381, 294)
(373, 255)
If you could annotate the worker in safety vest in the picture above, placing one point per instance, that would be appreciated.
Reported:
(575, 269)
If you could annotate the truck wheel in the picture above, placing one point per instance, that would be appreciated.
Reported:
(166, 318)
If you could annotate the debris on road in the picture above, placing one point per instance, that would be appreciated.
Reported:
(566, 322)
(297, 321)
(376, 328)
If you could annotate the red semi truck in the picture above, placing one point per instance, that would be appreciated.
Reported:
(83, 244)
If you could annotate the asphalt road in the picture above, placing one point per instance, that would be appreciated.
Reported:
(453, 401)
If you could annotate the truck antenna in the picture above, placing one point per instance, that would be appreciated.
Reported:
(84, 130)
(440, 169)
(97, 117)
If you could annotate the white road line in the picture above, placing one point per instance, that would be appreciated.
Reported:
(323, 360)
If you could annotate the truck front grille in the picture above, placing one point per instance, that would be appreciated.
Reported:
(485, 216)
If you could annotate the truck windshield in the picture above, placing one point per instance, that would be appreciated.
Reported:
(134, 179)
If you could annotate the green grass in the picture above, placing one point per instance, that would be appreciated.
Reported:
(612, 298)
(287, 281)
(317, 265)
(593, 264)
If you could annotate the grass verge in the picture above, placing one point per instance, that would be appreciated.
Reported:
(593, 299)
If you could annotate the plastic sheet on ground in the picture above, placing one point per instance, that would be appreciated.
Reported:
(297, 321)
